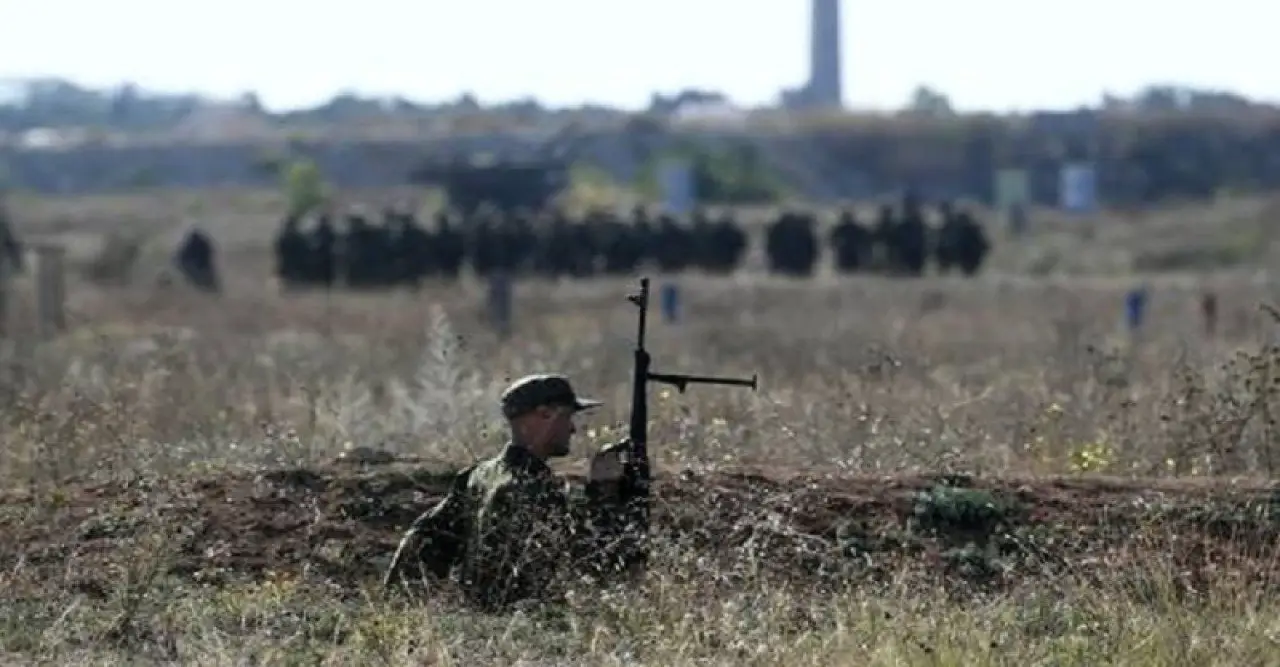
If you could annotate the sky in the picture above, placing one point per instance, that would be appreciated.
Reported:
(984, 54)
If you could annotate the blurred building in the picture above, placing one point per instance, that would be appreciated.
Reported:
(823, 90)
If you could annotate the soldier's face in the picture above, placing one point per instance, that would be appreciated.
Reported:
(560, 429)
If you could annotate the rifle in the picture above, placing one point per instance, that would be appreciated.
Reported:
(637, 473)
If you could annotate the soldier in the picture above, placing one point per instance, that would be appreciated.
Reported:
(10, 247)
(551, 259)
(962, 243)
(582, 249)
(884, 250)
(730, 243)
(644, 235)
(972, 241)
(701, 243)
(911, 237)
(10, 261)
(365, 256)
(409, 246)
(791, 245)
(507, 526)
(522, 239)
(485, 246)
(851, 243)
(291, 250)
(195, 259)
(325, 260)
(448, 247)
(672, 244)
(619, 245)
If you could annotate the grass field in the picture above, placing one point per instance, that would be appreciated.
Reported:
(939, 472)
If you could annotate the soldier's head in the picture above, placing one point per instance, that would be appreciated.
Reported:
(540, 410)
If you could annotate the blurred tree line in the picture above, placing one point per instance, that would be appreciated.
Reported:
(732, 174)
(1140, 156)
(1164, 142)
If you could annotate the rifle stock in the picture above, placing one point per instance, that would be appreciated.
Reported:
(638, 473)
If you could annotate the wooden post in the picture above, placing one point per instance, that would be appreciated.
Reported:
(499, 303)
(7, 267)
(51, 290)
(1209, 312)
(4, 298)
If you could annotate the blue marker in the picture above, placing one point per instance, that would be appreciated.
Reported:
(670, 298)
(1135, 306)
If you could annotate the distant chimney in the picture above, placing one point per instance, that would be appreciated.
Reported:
(824, 89)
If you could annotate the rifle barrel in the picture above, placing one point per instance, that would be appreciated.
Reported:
(681, 380)
(641, 300)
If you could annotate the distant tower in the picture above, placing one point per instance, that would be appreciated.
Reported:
(824, 89)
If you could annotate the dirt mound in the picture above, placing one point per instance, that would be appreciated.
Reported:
(343, 522)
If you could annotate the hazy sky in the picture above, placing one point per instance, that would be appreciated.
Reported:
(994, 54)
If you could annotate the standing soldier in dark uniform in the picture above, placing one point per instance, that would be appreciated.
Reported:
(551, 258)
(851, 243)
(324, 253)
(195, 260)
(367, 257)
(729, 244)
(946, 250)
(674, 252)
(962, 243)
(701, 244)
(644, 235)
(410, 248)
(484, 242)
(509, 527)
(448, 247)
(292, 254)
(912, 237)
(10, 261)
(582, 249)
(523, 239)
(10, 247)
(885, 256)
(973, 242)
(791, 244)
(619, 245)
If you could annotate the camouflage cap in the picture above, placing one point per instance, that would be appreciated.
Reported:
(533, 391)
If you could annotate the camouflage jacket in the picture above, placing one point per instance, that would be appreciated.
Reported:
(510, 529)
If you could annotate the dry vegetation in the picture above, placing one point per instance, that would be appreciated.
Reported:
(937, 473)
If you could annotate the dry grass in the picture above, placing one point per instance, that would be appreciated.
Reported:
(172, 494)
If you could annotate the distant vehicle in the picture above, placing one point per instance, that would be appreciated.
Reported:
(507, 185)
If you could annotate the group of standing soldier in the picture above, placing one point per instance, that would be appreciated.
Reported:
(399, 250)
(900, 243)
(359, 251)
